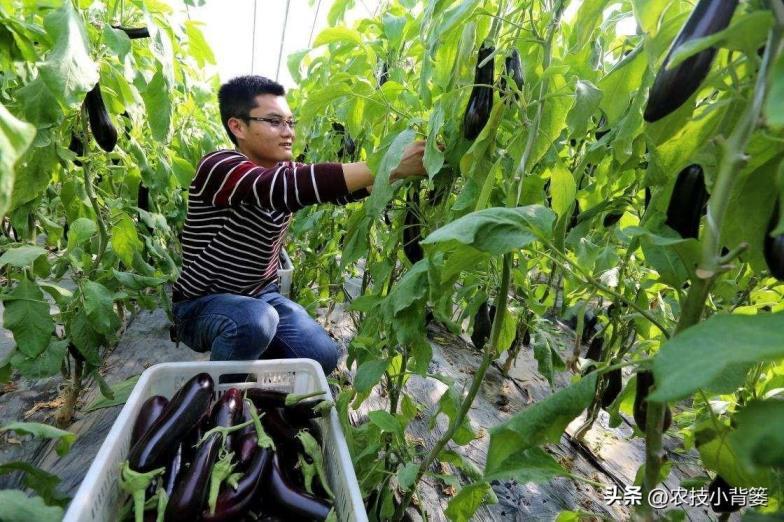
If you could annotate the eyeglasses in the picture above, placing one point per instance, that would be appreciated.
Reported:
(275, 123)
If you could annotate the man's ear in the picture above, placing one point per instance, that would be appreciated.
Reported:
(236, 127)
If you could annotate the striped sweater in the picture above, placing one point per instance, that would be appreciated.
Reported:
(238, 215)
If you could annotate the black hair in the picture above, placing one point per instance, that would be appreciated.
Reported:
(238, 96)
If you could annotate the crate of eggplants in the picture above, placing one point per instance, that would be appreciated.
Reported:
(247, 456)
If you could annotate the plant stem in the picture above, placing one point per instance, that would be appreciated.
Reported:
(589, 279)
(533, 130)
(732, 159)
(490, 353)
(103, 236)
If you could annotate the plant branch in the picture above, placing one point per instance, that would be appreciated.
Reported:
(490, 353)
(732, 159)
(103, 236)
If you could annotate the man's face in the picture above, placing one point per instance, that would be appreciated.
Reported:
(267, 142)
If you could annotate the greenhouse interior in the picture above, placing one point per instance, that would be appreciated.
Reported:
(391, 260)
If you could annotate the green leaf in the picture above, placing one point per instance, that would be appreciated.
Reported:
(647, 13)
(15, 137)
(532, 465)
(338, 35)
(34, 174)
(43, 483)
(588, 18)
(99, 307)
(410, 289)
(434, 158)
(38, 105)
(406, 475)
(496, 230)
(80, 231)
(368, 375)
(82, 334)
(68, 71)
(563, 189)
(18, 507)
(385, 421)
(758, 438)
(197, 44)
(27, 316)
(64, 439)
(124, 239)
(137, 282)
(157, 102)
(463, 505)
(774, 104)
(21, 257)
(586, 102)
(621, 83)
(542, 422)
(116, 40)
(715, 354)
(121, 390)
(746, 33)
(338, 10)
(382, 189)
(45, 364)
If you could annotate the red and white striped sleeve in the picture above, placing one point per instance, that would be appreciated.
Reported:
(228, 178)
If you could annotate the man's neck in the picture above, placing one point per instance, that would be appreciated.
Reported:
(261, 162)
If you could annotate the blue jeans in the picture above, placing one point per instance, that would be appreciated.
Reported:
(242, 328)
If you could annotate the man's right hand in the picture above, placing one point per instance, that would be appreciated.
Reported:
(411, 164)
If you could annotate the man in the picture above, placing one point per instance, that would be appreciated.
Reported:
(240, 204)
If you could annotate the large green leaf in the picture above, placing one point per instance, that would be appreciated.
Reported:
(759, 437)
(125, 239)
(158, 104)
(586, 102)
(563, 189)
(15, 137)
(382, 189)
(585, 23)
(40, 481)
(45, 364)
(34, 174)
(21, 257)
(715, 354)
(463, 505)
(27, 316)
(774, 104)
(18, 507)
(542, 422)
(197, 44)
(68, 71)
(37, 104)
(99, 307)
(368, 374)
(621, 83)
(121, 391)
(496, 230)
(531, 465)
(43, 431)
(410, 289)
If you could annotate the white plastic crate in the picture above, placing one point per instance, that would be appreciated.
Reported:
(285, 272)
(99, 496)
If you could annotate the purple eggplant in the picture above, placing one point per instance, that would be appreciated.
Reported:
(190, 494)
(245, 441)
(148, 414)
(173, 469)
(184, 409)
(265, 399)
(294, 502)
(233, 503)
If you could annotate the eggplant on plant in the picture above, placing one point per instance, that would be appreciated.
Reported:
(412, 230)
(687, 203)
(513, 69)
(773, 247)
(101, 125)
(480, 103)
(673, 86)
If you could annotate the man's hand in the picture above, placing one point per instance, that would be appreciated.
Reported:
(411, 163)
